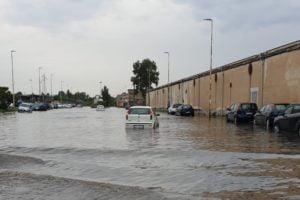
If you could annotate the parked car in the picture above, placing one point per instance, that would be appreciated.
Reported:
(39, 107)
(172, 109)
(141, 117)
(289, 120)
(267, 114)
(239, 112)
(185, 110)
(25, 107)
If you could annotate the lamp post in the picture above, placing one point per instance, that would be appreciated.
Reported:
(51, 77)
(31, 90)
(168, 53)
(61, 82)
(210, 68)
(40, 83)
(12, 76)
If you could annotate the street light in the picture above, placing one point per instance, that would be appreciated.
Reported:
(210, 68)
(61, 82)
(40, 83)
(168, 76)
(31, 90)
(12, 75)
(51, 76)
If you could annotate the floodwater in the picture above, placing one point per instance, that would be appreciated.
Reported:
(84, 154)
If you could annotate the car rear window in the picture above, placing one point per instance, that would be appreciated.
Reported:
(248, 106)
(139, 111)
(296, 109)
(176, 105)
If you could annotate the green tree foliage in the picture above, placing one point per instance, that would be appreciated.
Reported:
(5, 98)
(145, 74)
(107, 99)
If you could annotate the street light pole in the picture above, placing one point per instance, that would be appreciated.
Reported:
(51, 76)
(61, 82)
(210, 68)
(40, 83)
(12, 75)
(31, 90)
(168, 77)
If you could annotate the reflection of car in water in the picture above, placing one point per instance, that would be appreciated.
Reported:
(289, 120)
(141, 117)
(185, 110)
(172, 109)
(25, 107)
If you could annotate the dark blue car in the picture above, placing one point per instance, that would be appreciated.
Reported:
(241, 112)
(289, 120)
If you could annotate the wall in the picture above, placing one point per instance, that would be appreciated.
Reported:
(273, 75)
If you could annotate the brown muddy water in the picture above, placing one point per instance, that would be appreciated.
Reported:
(84, 154)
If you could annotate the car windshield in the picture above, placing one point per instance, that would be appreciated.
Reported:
(139, 111)
(176, 105)
(280, 107)
(25, 105)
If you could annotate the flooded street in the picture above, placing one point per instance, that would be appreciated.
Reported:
(84, 154)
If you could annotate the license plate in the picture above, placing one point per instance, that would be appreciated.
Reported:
(249, 113)
(138, 126)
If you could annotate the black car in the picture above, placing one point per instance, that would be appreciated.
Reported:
(239, 112)
(268, 113)
(289, 120)
(39, 107)
(185, 110)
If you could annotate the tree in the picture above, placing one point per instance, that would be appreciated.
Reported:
(5, 97)
(145, 74)
(106, 98)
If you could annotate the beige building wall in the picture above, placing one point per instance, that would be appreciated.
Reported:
(274, 78)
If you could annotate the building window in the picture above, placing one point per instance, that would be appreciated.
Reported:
(254, 95)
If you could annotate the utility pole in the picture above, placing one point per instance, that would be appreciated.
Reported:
(12, 75)
(210, 68)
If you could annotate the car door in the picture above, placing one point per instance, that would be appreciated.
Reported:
(284, 122)
(293, 118)
(231, 112)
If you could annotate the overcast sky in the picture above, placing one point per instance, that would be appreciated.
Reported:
(83, 42)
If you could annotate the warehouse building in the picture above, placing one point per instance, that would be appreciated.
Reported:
(269, 77)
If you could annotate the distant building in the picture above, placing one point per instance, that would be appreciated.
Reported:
(135, 98)
(122, 100)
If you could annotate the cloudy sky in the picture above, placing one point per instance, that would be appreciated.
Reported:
(83, 42)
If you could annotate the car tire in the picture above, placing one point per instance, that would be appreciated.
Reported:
(276, 128)
(227, 120)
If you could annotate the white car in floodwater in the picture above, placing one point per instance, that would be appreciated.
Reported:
(141, 117)
(100, 108)
(25, 107)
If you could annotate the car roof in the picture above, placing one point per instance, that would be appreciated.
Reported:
(140, 107)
